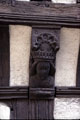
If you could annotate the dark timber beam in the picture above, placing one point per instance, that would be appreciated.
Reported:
(40, 13)
(67, 92)
(22, 92)
(13, 93)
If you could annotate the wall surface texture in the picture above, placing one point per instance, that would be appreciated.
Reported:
(67, 108)
(66, 62)
(20, 37)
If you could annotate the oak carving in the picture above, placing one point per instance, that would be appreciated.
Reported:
(43, 54)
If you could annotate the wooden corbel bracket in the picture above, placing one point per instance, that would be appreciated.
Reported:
(44, 46)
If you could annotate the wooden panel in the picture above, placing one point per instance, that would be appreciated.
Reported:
(34, 109)
(4, 56)
(41, 109)
(22, 109)
(13, 108)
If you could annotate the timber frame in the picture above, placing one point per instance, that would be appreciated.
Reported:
(10, 93)
(40, 14)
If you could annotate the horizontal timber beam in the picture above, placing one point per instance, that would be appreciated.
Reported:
(67, 92)
(40, 13)
(23, 92)
(13, 92)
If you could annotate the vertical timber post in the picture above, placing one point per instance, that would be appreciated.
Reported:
(44, 46)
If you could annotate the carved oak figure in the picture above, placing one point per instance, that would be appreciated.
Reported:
(43, 53)
(43, 75)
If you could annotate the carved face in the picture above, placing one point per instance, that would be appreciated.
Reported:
(43, 69)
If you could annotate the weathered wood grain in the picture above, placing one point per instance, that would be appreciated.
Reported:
(8, 93)
(4, 56)
(40, 13)
(67, 92)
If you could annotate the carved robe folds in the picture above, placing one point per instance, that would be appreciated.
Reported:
(45, 44)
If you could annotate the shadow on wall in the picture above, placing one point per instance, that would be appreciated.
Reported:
(4, 111)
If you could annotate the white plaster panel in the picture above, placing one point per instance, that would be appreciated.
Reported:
(67, 108)
(20, 37)
(4, 112)
(57, 1)
(67, 56)
(64, 1)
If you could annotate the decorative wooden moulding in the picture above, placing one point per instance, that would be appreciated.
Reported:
(44, 46)
(67, 92)
(13, 93)
(37, 13)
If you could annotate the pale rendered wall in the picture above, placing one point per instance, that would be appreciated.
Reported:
(20, 37)
(67, 108)
(66, 62)
(66, 65)
(64, 1)
(57, 1)
(4, 111)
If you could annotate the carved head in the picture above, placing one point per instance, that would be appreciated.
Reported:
(42, 67)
